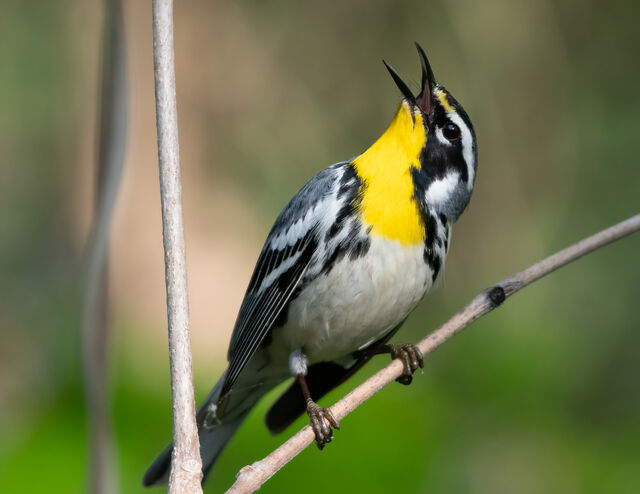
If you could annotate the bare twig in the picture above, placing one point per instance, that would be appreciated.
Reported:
(251, 477)
(95, 320)
(186, 465)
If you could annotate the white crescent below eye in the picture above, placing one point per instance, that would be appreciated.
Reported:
(441, 137)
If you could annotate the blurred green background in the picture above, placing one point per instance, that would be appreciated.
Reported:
(540, 396)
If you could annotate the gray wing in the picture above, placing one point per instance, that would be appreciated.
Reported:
(294, 249)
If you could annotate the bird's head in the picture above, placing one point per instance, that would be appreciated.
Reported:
(448, 159)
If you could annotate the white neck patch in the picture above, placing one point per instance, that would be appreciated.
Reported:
(440, 191)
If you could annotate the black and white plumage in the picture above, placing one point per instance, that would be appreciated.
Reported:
(293, 254)
(346, 261)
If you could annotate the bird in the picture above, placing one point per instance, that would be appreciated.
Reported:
(345, 263)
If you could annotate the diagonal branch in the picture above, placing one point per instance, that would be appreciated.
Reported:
(251, 477)
(186, 465)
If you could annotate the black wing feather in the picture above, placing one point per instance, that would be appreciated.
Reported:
(266, 299)
(260, 310)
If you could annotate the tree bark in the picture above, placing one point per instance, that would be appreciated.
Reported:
(186, 465)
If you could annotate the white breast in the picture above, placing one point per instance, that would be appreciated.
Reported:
(358, 301)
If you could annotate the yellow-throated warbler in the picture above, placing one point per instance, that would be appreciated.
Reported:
(345, 263)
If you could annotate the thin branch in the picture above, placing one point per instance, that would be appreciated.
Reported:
(186, 465)
(251, 477)
(112, 128)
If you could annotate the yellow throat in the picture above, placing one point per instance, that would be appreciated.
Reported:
(387, 204)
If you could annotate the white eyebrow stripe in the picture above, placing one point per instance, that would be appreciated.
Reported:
(467, 139)
(467, 146)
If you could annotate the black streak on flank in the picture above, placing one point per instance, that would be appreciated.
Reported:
(355, 244)
(432, 259)
(360, 248)
(497, 296)
(436, 268)
(431, 226)
(445, 235)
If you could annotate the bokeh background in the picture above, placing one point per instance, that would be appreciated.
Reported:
(540, 396)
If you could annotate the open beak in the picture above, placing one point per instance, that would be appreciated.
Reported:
(402, 86)
(424, 100)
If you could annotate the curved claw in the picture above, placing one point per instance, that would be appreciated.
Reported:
(411, 358)
(322, 422)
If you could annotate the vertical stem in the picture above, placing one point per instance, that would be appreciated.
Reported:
(101, 469)
(112, 128)
(186, 465)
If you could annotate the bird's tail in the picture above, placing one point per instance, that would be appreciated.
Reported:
(214, 434)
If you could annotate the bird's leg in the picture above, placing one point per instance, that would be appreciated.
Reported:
(321, 419)
(410, 356)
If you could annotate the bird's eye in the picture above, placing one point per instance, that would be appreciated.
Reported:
(451, 131)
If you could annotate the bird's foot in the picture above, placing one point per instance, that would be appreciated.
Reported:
(411, 358)
(322, 422)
